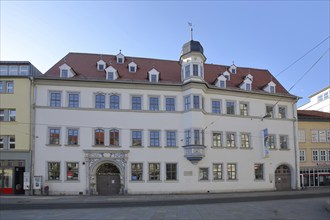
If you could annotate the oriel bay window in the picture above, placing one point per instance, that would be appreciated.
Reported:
(114, 137)
(136, 171)
(72, 171)
(99, 136)
(54, 170)
(154, 171)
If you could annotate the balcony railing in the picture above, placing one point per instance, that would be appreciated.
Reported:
(194, 153)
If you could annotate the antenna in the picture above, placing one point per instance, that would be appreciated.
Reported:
(191, 30)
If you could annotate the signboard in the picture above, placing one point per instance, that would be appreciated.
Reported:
(37, 182)
(265, 143)
(26, 182)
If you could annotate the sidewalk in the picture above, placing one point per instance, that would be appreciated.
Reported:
(311, 192)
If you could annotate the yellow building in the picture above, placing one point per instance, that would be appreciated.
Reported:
(16, 119)
(314, 148)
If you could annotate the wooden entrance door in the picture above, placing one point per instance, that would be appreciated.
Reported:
(108, 184)
(108, 179)
(282, 178)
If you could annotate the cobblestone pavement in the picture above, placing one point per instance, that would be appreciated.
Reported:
(309, 209)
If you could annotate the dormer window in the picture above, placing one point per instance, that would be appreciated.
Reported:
(100, 65)
(111, 73)
(233, 69)
(270, 87)
(132, 67)
(221, 81)
(66, 71)
(227, 75)
(120, 58)
(153, 75)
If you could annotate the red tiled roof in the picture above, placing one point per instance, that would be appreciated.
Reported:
(312, 113)
(84, 65)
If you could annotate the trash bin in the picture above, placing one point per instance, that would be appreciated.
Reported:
(46, 190)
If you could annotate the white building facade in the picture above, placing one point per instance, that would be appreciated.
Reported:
(319, 101)
(116, 125)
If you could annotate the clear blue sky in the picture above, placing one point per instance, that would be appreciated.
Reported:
(261, 34)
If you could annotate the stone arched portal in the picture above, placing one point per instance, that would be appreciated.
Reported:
(96, 159)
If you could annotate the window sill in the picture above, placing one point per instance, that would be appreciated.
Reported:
(136, 181)
(53, 145)
(154, 181)
(72, 145)
(137, 146)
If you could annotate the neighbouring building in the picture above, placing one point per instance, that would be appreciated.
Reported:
(319, 101)
(16, 115)
(112, 124)
(314, 148)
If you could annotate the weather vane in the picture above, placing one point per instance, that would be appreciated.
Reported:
(191, 30)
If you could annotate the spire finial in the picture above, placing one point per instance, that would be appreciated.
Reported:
(191, 30)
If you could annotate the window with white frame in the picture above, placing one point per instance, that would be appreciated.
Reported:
(196, 136)
(302, 136)
(170, 104)
(54, 169)
(114, 137)
(217, 171)
(99, 136)
(100, 101)
(284, 142)
(302, 155)
(171, 138)
(114, 101)
(272, 141)
(72, 171)
(231, 171)
(282, 112)
(270, 111)
(216, 106)
(245, 140)
(154, 171)
(136, 171)
(73, 136)
(8, 115)
(315, 155)
(171, 171)
(315, 136)
(154, 137)
(54, 136)
(55, 99)
(187, 134)
(231, 140)
(204, 173)
(217, 139)
(153, 103)
(323, 155)
(136, 103)
(243, 108)
(73, 100)
(136, 138)
(196, 102)
(187, 102)
(230, 107)
(258, 171)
